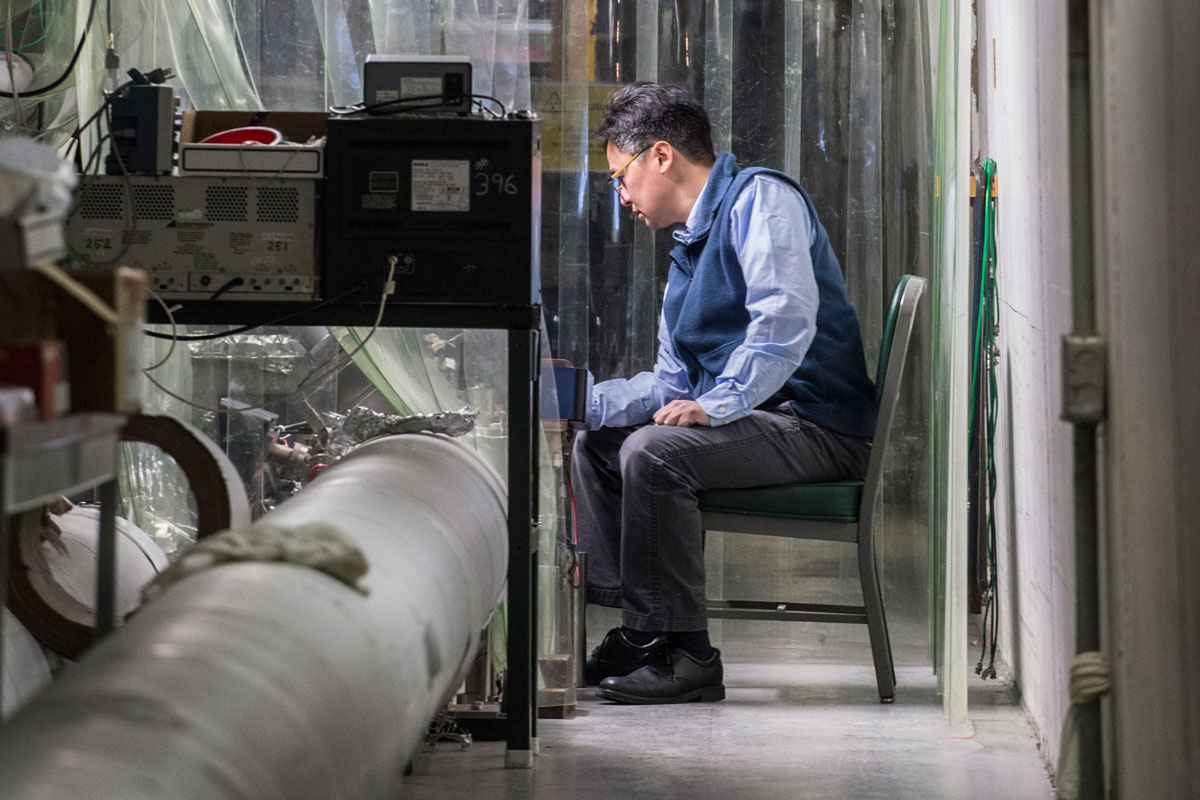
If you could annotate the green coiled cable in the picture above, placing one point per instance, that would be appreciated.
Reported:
(984, 356)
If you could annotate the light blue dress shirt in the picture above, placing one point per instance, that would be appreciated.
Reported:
(772, 233)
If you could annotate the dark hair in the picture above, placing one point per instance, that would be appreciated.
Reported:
(643, 113)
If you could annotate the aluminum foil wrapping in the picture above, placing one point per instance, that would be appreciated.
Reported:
(362, 424)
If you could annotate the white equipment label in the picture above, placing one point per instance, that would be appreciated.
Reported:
(441, 185)
(421, 87)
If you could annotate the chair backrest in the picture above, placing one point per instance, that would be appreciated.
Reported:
(893, 351)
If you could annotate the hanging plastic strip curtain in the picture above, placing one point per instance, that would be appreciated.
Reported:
(859, 136)
(251, 54)
(950, 367)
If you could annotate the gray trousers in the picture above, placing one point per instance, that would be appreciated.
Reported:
(637, 516)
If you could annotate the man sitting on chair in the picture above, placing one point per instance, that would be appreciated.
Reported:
(760, 379)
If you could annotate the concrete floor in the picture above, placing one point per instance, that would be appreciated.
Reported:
(801, 720)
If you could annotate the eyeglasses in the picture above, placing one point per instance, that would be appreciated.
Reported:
(615, 178)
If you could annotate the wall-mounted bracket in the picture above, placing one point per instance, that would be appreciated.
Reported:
(1084, 379)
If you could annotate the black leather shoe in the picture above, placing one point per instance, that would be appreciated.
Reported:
(674, 676)
(618, 656)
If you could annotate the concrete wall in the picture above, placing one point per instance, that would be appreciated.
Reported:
(1022, 85)
(1146, 107)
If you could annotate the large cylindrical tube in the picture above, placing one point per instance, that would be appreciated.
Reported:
(271, 680)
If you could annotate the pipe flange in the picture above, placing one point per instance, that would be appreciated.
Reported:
(220, 496)
(44, 607)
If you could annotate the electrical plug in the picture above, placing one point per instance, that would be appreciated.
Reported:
(160, 75)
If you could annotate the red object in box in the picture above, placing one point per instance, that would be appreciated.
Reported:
(253, 134)
(38, 364)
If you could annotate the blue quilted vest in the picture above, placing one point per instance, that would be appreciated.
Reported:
(705, 312)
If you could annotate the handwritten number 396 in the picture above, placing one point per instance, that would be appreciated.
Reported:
(486, 183)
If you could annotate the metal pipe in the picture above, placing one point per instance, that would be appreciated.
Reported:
(261, 680)
(1087, 594)
(106, 560)
(579, 615)
(520, 687)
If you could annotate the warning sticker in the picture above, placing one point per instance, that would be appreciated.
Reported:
(441, 185)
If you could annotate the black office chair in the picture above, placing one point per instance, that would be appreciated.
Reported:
(841, 512)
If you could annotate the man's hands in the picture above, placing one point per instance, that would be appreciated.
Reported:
(685, 413)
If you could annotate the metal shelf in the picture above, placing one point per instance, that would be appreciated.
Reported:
(42, 460)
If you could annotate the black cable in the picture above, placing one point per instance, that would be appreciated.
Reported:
(95, 152)
(496, 100)
(79, 129)
(443, 102)
(108, 98)
(485, 109)
(358, 108)
(70, 66)
(229, 284)
(201, 337)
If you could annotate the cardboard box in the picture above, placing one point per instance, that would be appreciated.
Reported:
(276, 161)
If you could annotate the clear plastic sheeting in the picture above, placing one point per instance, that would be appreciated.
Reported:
(37, 38)
(951, 237)
(203, 41)
(307, 56)
(152, 489)
(272, 378)
(154, 496)
(496, 36)
(238, 390)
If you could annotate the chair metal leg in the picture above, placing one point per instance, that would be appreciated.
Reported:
(881, 646)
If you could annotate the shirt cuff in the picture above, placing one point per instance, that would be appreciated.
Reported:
(724, 406)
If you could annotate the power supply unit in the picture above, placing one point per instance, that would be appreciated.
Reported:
(393, 84)
(247, 238)
(455, 201)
